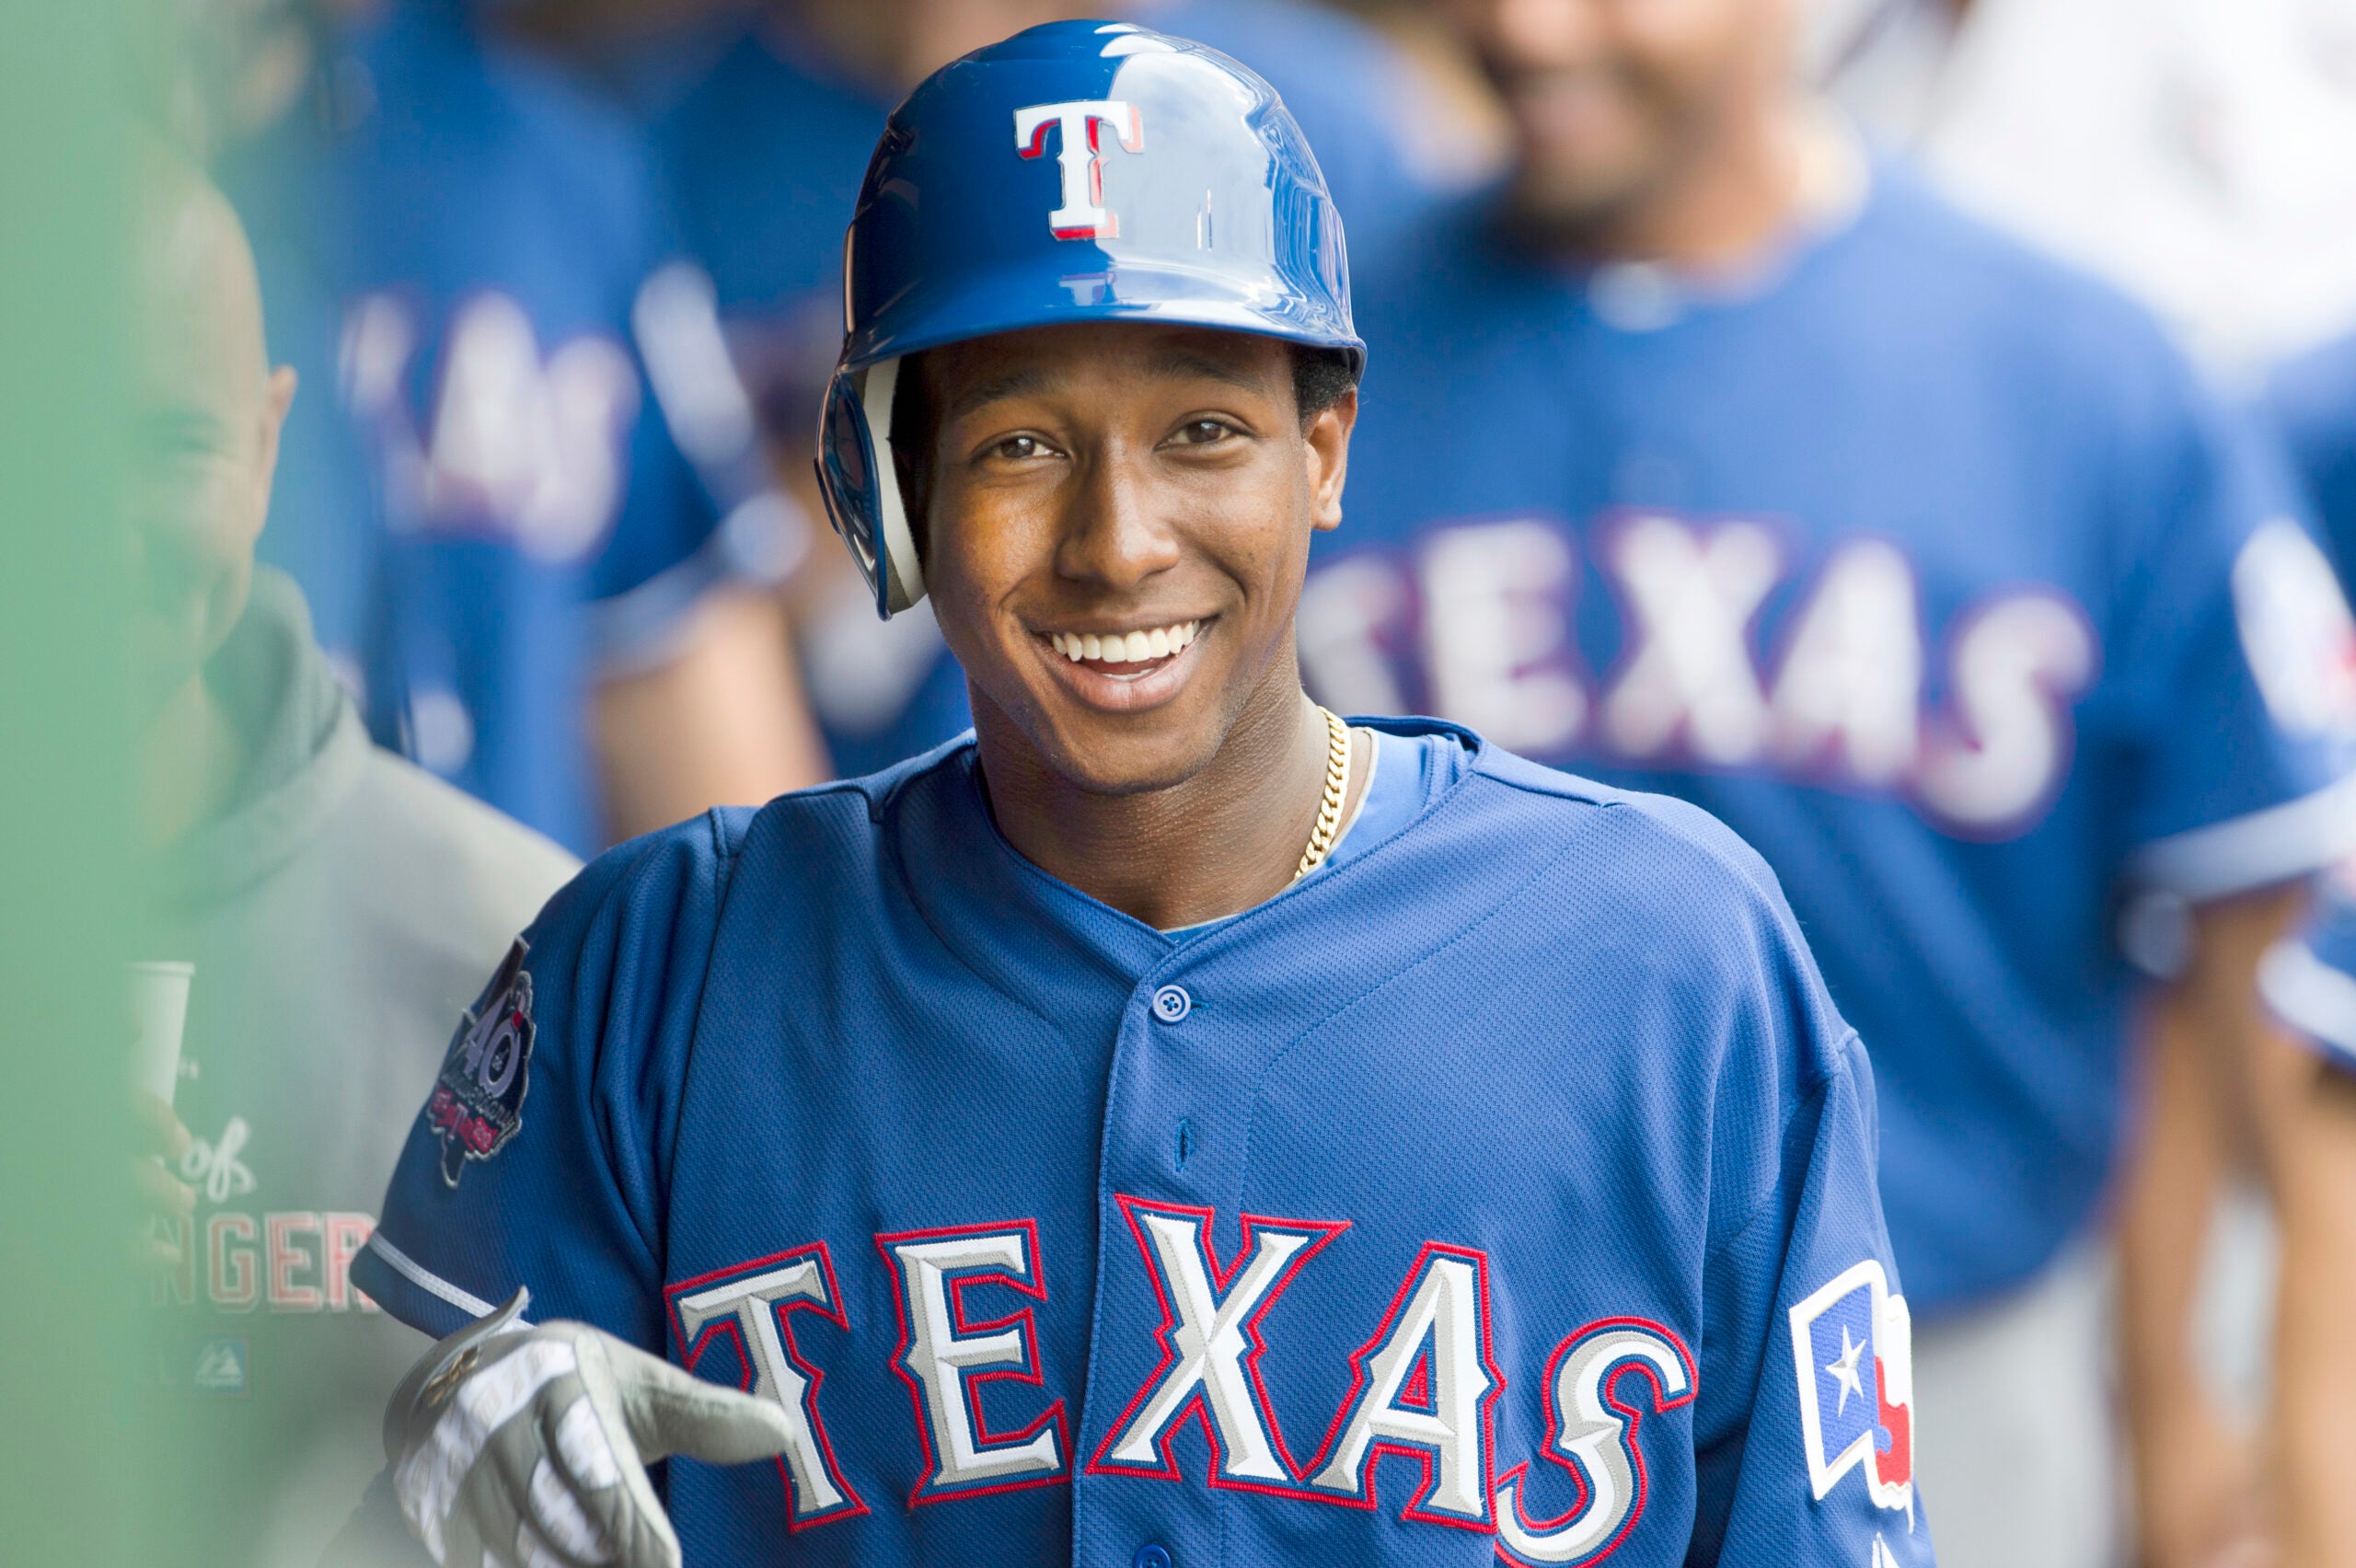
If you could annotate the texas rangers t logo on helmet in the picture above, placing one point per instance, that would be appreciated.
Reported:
(1083, 215)
(1853, 1344)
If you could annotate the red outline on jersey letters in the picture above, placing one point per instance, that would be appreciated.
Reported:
(1026, 1333)
(1423, 1457)
(1195, 1407)
(783, 1311)
(1630, 1438)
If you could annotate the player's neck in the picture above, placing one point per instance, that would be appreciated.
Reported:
(1722, 205)
(189, 763)
(1215, 845)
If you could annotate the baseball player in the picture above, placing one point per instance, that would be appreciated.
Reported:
(766, 155)
(1173, 1126)
(335, 903)
(2311, 985)
(490, 505)
(1725, 459)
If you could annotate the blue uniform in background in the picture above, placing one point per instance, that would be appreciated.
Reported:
(2312, 401)
(2311, 981)
(483, 499)
(1504, 1187)
(765, 157)
(1924, 564)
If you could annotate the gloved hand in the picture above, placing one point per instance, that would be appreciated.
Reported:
(523, 1446)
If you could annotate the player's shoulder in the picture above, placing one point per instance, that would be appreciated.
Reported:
(2315, 391)
(1664, 883)
(469, 853)
(1637, 829)
(1928, 247)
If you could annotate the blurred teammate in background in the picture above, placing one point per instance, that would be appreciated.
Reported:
(765, 153)
(2311, 983)
(339, 905)
(538, 595)
(2311, 401)
(1719, 458)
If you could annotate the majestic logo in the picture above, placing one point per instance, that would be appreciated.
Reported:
(1853, 1344)
(478, 1102)
(216, 1168)
(1080, 158)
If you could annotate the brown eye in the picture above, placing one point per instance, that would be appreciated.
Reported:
(1020, 448)
(1202, 432)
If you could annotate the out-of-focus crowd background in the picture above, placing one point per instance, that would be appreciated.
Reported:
(559, 284)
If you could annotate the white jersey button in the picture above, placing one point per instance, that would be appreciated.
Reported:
(1172, 1004)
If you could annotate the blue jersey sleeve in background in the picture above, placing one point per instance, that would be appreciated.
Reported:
(538, 1158)
(2234, 651)
(2312, 403)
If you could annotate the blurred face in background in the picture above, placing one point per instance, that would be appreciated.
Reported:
(208, 411)
(1614, 103)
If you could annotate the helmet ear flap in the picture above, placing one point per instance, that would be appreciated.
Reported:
(903, 571)
(861, 485)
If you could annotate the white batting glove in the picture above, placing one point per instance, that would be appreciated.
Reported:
(526, 1447)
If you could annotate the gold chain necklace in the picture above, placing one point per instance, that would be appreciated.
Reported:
(1337, 789)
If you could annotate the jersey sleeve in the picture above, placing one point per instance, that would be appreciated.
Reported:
(2233, 652)
(536, 1159)
(1802, 1424)
(700, 509)
(2309, 980)
(1819, 1468)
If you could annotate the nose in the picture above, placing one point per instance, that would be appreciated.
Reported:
(1114, 535)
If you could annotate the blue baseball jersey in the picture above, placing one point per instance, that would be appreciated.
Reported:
(1924, 564)
(765, 157)
(2311, 401)
(1503, 1188)
(485, 502)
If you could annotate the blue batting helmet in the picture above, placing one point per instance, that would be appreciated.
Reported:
(1079, 171)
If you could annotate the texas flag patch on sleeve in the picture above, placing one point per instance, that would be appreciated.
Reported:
(1853, 1342)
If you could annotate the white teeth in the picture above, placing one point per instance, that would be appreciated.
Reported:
(1125, 648)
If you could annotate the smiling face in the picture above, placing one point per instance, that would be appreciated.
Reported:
(209, 410)
(1140, 496)
(1613, 100)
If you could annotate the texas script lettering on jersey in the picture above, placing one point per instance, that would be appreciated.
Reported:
(1425, 1383)
(1483, 612)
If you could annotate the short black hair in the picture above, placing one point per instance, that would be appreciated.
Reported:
(1320, 378)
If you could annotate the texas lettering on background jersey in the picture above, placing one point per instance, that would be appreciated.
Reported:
(1478, 626)
(1929, 567)
(1474, 1235)
(1970, 722)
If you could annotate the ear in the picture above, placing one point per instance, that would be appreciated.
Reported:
(278, 396)
(1327, 440)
